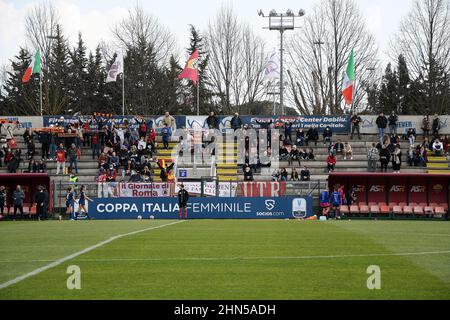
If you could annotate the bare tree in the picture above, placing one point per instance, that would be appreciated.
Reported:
(424, 40)
(141, 27)
(40, 25)
(318, 57)
(236, 60)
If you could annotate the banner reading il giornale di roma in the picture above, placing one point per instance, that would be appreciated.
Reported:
(202, 208)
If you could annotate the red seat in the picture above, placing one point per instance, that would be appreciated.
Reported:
(364, 209)
(407, 210)
(428, 210)
(372, 204)
(354, 209)
(385, 210)
(418, 210)
(439, 211)
(434, 205)
(33, 210)
(362, 204)
(397, 210)
(413, 204)
(375, 209)
(402, 204)
(423, 204)
(345, 209)
(381, 204)
(392, 205)
(444, 205)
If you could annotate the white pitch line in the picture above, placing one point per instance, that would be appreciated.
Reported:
(252, 258)
(72, 256)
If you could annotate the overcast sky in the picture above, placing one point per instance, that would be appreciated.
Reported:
(95, 17)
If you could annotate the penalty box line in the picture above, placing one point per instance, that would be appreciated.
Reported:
(76, 254)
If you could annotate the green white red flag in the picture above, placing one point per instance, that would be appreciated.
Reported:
(35, 67)
(349, 81)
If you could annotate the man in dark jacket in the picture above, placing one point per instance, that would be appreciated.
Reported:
(41, 200)
(436, 126)
(393, 119)
(381, 124)
(312, 135)
(356, 122)
(212, 121)
(45, 139)
(18, 196)
(236, 122)
(183, 197)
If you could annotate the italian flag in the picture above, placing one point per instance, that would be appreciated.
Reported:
(35, 67)
(349, 81)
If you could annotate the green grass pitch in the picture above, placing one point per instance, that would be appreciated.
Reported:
(228, 259)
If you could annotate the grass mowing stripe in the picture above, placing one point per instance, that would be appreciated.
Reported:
(250, 258)
(72, 256)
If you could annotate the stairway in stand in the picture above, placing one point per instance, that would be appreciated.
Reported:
(438, 165)
(226, 161)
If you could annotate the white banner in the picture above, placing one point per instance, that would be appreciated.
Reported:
(369, 125)
(24, 123)
(209, 188)
(144, 190)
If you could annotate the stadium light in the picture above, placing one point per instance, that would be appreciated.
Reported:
(282, 22)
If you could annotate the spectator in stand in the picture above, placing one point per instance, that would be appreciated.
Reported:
(348, 151)
(412, 156)
(312, 135)
(166, 133)
(32, 167)
(168, 120)
(95, 145)
(311, 156)
(212, 121)
(338, 147)
(393, 120)
(31, 150)
(331, 162)
(135, 176)
(423, 156)
(152, 136)
(294, 175)
(18, 196)
(72, 154)
(385, 156)
(236, 122)
(446, 143)
(356, 122)
(411, 135)
(2, 199)
(142, 145)
(284, 175)
(114, 161)
(53, 147)
(426, 144)
(142, 128)
(372, 156)
(436, 126)
(27, 136)
(397, 159)
(41, 167)
(14, 164)
(305, 174)
(45, 139)
(426, 125)
(276, 175)
(438, 148)
(381, 124)
(294, 156)
(300, 138)
(248, 174)
(327, 136)
(61, 159)
(284, 154)
(288, 131)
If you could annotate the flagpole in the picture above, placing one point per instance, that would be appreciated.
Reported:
(40, 91)
(198, 98)
(123, 92)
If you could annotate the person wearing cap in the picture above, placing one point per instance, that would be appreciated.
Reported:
(236, 122)
(183, 197)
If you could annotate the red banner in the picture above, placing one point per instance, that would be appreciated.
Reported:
(263, 189)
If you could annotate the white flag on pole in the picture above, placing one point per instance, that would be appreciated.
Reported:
(272, 67)
(116, 69)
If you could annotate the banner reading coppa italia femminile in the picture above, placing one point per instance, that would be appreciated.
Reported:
(202, 208)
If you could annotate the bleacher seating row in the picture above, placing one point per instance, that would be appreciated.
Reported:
(396, 209)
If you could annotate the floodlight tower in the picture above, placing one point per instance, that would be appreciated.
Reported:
(281, 22)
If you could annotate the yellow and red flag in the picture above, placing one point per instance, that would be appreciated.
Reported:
(191, 69)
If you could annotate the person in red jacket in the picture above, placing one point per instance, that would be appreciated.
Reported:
(61, 159)
(331, 162)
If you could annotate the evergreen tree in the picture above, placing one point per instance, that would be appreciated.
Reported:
(78, 78)
(388, 97)
(21, 98)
